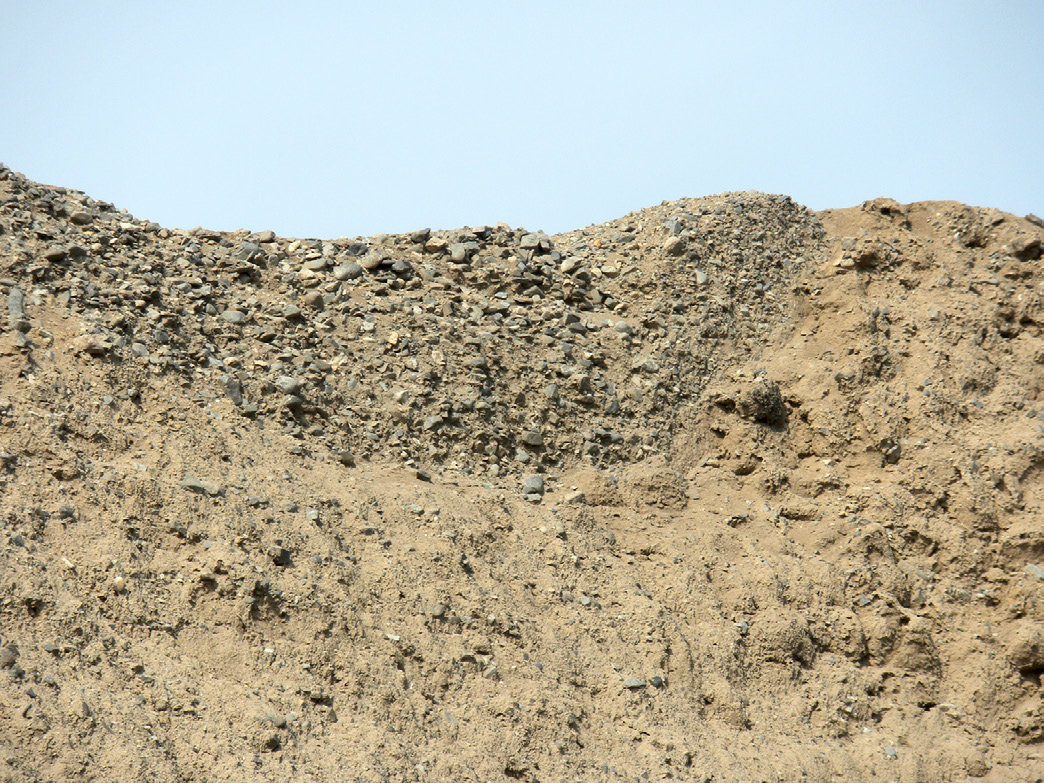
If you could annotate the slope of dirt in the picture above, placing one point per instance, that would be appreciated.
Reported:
(722, 490)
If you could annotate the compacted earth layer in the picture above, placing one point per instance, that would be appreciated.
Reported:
(722, 490)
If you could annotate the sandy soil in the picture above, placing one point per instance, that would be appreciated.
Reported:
(724, 490)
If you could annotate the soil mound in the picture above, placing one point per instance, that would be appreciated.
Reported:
(722, 490)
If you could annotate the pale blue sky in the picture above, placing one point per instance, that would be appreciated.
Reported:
(331, 119)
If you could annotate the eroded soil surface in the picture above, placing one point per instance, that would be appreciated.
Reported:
(723, 490)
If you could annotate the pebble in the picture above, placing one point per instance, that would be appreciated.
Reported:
(280, 556)
(533, 485)
(233, 317)
(674, 246)
(193, 484)
(16, 309)
(633, 683)
(349, 271)
(532, 438)
(245, 251)
(8, 656)
(288, 385)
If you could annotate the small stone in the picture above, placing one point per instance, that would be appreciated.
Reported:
(288, 385)
(279, 556)
(235, 317)
(55, 254)
(1036, 570)
(291, 312)
(80, 218)
(657, 681)
(370, 261)
(279, 721)
(234, 389)
(349, 271)
(15, 307)
(314, 300)
(193, 484)
(633, 683)
(271, 743)
(533, 485)
(674, 246)
(66, 512)
(431, 422)
(245, 251)
(701, 277)
(890, 753)
(91, 344)
(266, 236)
(1026, 248)
(891, 451)
(458, 253)
(8, 656)
(532, 438)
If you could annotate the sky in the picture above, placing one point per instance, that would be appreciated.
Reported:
(331, 119)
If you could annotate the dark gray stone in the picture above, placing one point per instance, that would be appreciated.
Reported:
(533, 485)
(245, 251)
(349, 271)
(235, 317)
(532, 438)
(16, 309)
(288, 385)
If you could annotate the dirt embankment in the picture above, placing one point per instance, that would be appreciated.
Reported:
(722, 490)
